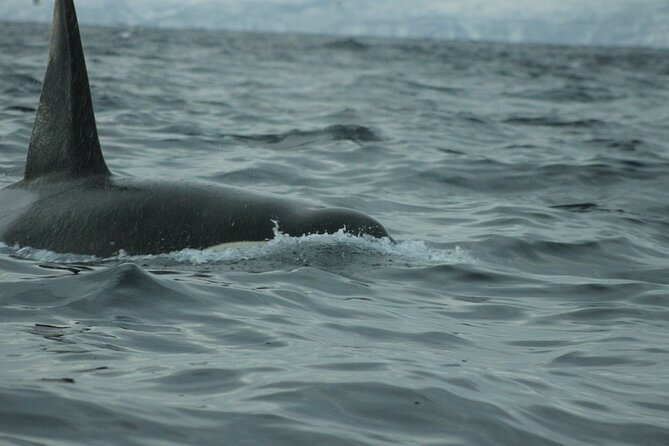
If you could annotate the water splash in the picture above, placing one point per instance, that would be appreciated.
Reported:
(340, 246)
(44, 255)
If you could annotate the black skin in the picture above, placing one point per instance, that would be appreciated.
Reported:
(102, 215)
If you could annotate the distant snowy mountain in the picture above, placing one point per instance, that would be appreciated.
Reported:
(580, 22)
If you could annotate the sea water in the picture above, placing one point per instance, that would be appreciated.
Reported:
(526, 301)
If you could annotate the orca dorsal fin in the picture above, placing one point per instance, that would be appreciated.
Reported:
(64, 142)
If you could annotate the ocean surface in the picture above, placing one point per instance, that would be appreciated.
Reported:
(525, 303)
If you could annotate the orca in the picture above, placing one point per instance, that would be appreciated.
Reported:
(69, 201)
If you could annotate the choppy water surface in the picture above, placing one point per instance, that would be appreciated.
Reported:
(527, 301)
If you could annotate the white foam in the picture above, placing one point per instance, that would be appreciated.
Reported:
(43, 255)
(340, 243)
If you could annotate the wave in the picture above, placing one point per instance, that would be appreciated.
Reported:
(349, 44)
(547, 121)
(294, 138)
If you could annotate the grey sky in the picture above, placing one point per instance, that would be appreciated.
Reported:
(619, 22)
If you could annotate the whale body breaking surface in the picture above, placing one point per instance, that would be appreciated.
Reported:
(69, 201)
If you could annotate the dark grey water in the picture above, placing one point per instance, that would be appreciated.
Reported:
(527, 302)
